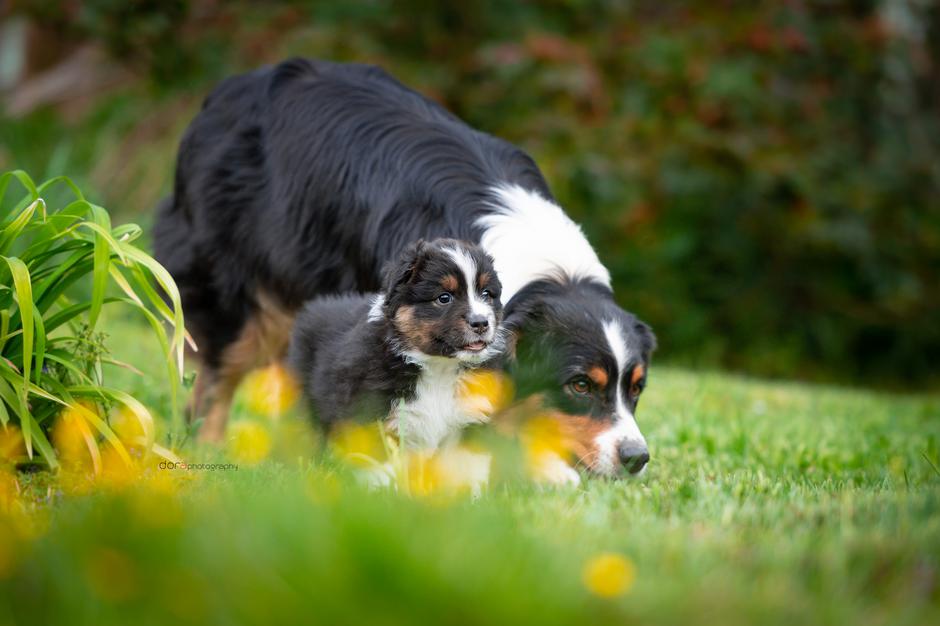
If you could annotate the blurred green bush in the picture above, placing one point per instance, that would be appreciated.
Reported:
(763, 179)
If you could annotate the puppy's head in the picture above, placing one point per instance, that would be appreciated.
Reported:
(587, 360)
(442, 299)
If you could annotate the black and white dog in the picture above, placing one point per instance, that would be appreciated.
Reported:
(303, 179)
(405, 348)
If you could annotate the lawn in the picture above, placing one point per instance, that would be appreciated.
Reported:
(765, 502)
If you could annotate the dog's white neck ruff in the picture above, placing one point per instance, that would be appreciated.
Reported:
(530, 238)
(436, 413)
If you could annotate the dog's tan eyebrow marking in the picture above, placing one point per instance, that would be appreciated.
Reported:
(638, 373)
(450, 282)
(484, 279)
(599, 375)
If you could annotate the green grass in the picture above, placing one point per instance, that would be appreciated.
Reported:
(764, 502)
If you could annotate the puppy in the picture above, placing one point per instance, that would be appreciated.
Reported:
(400, 354)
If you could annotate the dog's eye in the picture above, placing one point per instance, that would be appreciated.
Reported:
(636, 389)
(445, 298)
(486, 293)
(579, 386)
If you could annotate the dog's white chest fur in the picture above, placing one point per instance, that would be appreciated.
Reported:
(436, 413)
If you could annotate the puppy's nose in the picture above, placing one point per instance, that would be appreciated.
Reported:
(478, 323)
(633, 457)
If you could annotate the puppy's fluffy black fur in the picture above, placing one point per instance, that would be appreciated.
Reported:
(356, 355)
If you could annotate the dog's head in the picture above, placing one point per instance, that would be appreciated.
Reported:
(587, 359)
(442, 299)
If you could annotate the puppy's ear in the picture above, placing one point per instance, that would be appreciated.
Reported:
(403, 270)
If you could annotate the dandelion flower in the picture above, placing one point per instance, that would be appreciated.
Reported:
(359, 444)
(8, 490)
(127, 427)
(485, 391)
(12, 447)
(73, 439)
(249, 442)
(609, 575)
(271, 391)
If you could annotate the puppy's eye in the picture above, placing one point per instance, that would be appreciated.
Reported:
(445, 298)
(579, 386)
(636, 389)
(486, 293)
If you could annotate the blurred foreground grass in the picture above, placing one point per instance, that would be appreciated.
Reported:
(764, 502)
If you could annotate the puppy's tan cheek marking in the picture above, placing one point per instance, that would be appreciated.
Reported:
(599, 375)
(638, 373)
(417, 334)
(579, 433)
(450, 283)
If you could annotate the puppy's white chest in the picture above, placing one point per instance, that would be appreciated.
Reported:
(436, 412)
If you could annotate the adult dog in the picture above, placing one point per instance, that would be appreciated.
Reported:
(305, 178)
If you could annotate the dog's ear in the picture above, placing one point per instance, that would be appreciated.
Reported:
(403, 270)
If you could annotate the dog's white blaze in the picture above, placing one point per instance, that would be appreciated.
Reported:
(624, 429)
(376, 314)
(435, 414)
(477, 305)
(531, 238)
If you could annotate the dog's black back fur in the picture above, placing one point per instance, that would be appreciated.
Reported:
(241, 218)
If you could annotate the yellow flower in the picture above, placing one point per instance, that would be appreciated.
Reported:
(249, 442)
(422, 474)
(12, 447)
(485, 391)
(73, 439)
(8, 490)
(542, 434)
(359, 444)
(271, 391)
(609, 575)
(128, 428)
(115, 471)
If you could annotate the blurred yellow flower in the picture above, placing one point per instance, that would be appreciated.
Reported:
(359, 444)
(422, 474)
(609, 575)
(485, 391)
(115, 471)
(542, 434)
(8, 490)
(271, 391)
(73, 439)
(12, 447)
(249, 442)
(128, 428)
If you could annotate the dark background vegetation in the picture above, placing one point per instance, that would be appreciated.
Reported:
(762, 178)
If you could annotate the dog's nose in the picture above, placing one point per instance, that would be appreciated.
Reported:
(633, 457)
(478, 323)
